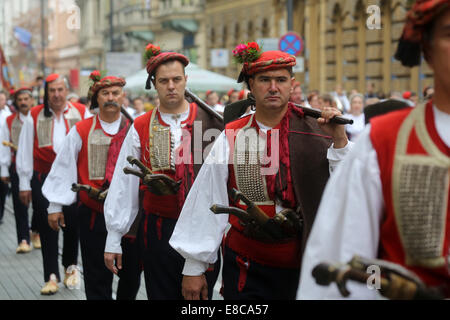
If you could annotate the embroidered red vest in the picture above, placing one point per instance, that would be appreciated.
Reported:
(93, 157)
(43, 153)
(14, 126)
(415, 171)
(158, 154)
(299, 182)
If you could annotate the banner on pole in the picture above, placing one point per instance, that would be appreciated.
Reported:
(5, 78)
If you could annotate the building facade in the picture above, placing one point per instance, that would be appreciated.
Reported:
(347, 42)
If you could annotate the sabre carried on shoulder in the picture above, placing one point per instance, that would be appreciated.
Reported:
(284, 225)
(10, 144)
(396, 282)
(236, 109)
(188, 93)
(159, 184)
(96, 194)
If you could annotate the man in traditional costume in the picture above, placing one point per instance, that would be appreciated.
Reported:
(9, 136)
(389, 199)
(168, 144)
(270, 165)
(85, 164)
(40, 139)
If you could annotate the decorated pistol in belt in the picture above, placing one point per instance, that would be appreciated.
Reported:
(159, 184)
(257, 223)
(395, 281)
(94, 193)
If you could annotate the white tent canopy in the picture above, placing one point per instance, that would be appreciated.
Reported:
(199, 80)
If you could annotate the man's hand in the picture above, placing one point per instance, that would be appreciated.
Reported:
(55, 220)
(25, 197)
(336, 131)
(194, 287)
(5, 180)
(113, 262)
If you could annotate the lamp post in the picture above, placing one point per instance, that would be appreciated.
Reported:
(290, 8)
(42, 38)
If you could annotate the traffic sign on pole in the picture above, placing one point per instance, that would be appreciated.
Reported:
(291, 43)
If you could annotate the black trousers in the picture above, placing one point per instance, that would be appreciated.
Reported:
(130, 275)
(4, 189)
(49, 237)
(245, 279)
(20, 210)
(98, 279)
(163, 265)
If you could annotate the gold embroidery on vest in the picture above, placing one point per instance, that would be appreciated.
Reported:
(249, 147)
(98, 147)
(44, 126)
(44, 129)
(160, 145)
(72, 116)
(420, 187)
(16, 127)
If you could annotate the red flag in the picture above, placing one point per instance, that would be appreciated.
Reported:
(4, 73)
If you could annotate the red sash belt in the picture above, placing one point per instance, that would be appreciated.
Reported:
(281, 255)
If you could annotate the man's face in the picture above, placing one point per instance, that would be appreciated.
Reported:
(234, 96)
(272, 88)
(110, 100)
(212, 99)
(24, 102)
(2, 100)
(170, 83)
(296, 96)
(438, 51)
(138, 105)
(57, 93)
(357, 105)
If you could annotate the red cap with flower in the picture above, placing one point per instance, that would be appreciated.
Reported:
(255, 61)
(422, 13)
(155, 58)
(99, 83)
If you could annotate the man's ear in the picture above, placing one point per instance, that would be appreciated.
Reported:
(251, 80)
(292, 84)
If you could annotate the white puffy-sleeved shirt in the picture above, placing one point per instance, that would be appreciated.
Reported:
(24, 157)
(122, 202)
(349, 217)
(5, 152)
(64, 172)
(198, 232)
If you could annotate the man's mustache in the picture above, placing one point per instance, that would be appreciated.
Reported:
(111, 103)
(23, 106)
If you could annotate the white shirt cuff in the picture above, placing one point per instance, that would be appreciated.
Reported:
(194, 267)
(24, 184)
(4, 171)
(113, 241)
(339, 154)
(54, 208)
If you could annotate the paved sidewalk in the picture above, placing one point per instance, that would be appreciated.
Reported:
(21, 275)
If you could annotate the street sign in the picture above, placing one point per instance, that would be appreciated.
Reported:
(123, 64)
(268, 44)
(300, 66)
(291, 43)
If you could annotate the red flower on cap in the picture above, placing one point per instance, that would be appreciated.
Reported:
(151, 51)
(246, 52)
(95, 76)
